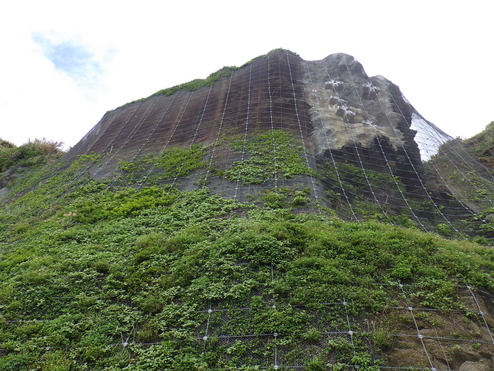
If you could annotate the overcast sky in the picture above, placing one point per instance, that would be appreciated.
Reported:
(65, 63)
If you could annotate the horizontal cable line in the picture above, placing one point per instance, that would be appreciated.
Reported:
(431, 309)
(422, 336)
(269, 335)
(237, 336)
(284, 306)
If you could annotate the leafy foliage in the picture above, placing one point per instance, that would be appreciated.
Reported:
(172, 163)
(94, 277)
(259, 151)
(195, 84)
(134, 273)
(14, 161)
(482, 145)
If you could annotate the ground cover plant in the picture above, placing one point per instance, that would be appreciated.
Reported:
(16, 161)
(266, 156)
(95, 276)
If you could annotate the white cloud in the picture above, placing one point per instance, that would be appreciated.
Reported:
(70, 57)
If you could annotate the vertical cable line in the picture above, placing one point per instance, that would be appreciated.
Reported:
(206, 335)
(445, 183)
(77, 152)
(455, 148)
(300, 129)
(438, 339)
(199, 123)
(109, 145)
(350, 331)
(410, 160)
(162, 150)
(158, 124)
(246, 130)
(481, 313)
(357, 150)
(63, 163)
(437, 172)
(150, 135)
(129, 137)
(195, 133)
(464, 175)
(275, 334)
(431, 161)
(220, 127)
(331, 154)
(272, 125)
(405, 151)
(488, 172)
(419, 335)
(202, 117)
(383, 152)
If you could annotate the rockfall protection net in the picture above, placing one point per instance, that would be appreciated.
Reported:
(261, 121)
(333, 331)
(365, 151)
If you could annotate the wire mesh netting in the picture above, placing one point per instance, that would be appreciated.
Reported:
(353, 141)
(318, 137)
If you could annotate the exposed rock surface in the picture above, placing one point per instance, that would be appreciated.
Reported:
(266, 94)
(355, 138)
(332, 105)
(475, 366)
(361, 119)
(337, 113)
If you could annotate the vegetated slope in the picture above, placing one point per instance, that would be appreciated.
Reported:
(482, 146)
(99, 277)
(215, 238)
(353, 141)
(452, 170)
(18, 161)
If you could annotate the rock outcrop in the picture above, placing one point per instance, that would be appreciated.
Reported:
(332, 105)
(355, 138)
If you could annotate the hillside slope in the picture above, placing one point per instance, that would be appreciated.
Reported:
(157, 278)
(286, 214)
(482, 146)
(353, 141)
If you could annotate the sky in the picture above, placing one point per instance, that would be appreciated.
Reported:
(65, 63)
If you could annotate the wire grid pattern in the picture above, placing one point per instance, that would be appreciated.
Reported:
(272, 94)
(333, 331)
(131, 132)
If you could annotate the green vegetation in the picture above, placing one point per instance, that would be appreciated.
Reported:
(471, 182)
(111, 278)
(134, 272)
(259, 150)
(353, 193)
(482, 145)
(199, 83)
(195, 84)
(226, 71)
(173, 162)
(346, 181)
(14, 161)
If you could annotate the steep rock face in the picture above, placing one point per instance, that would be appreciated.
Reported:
(361, 119)
(266, 94)
(482, 146)
(282, 124)
(330, 105)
